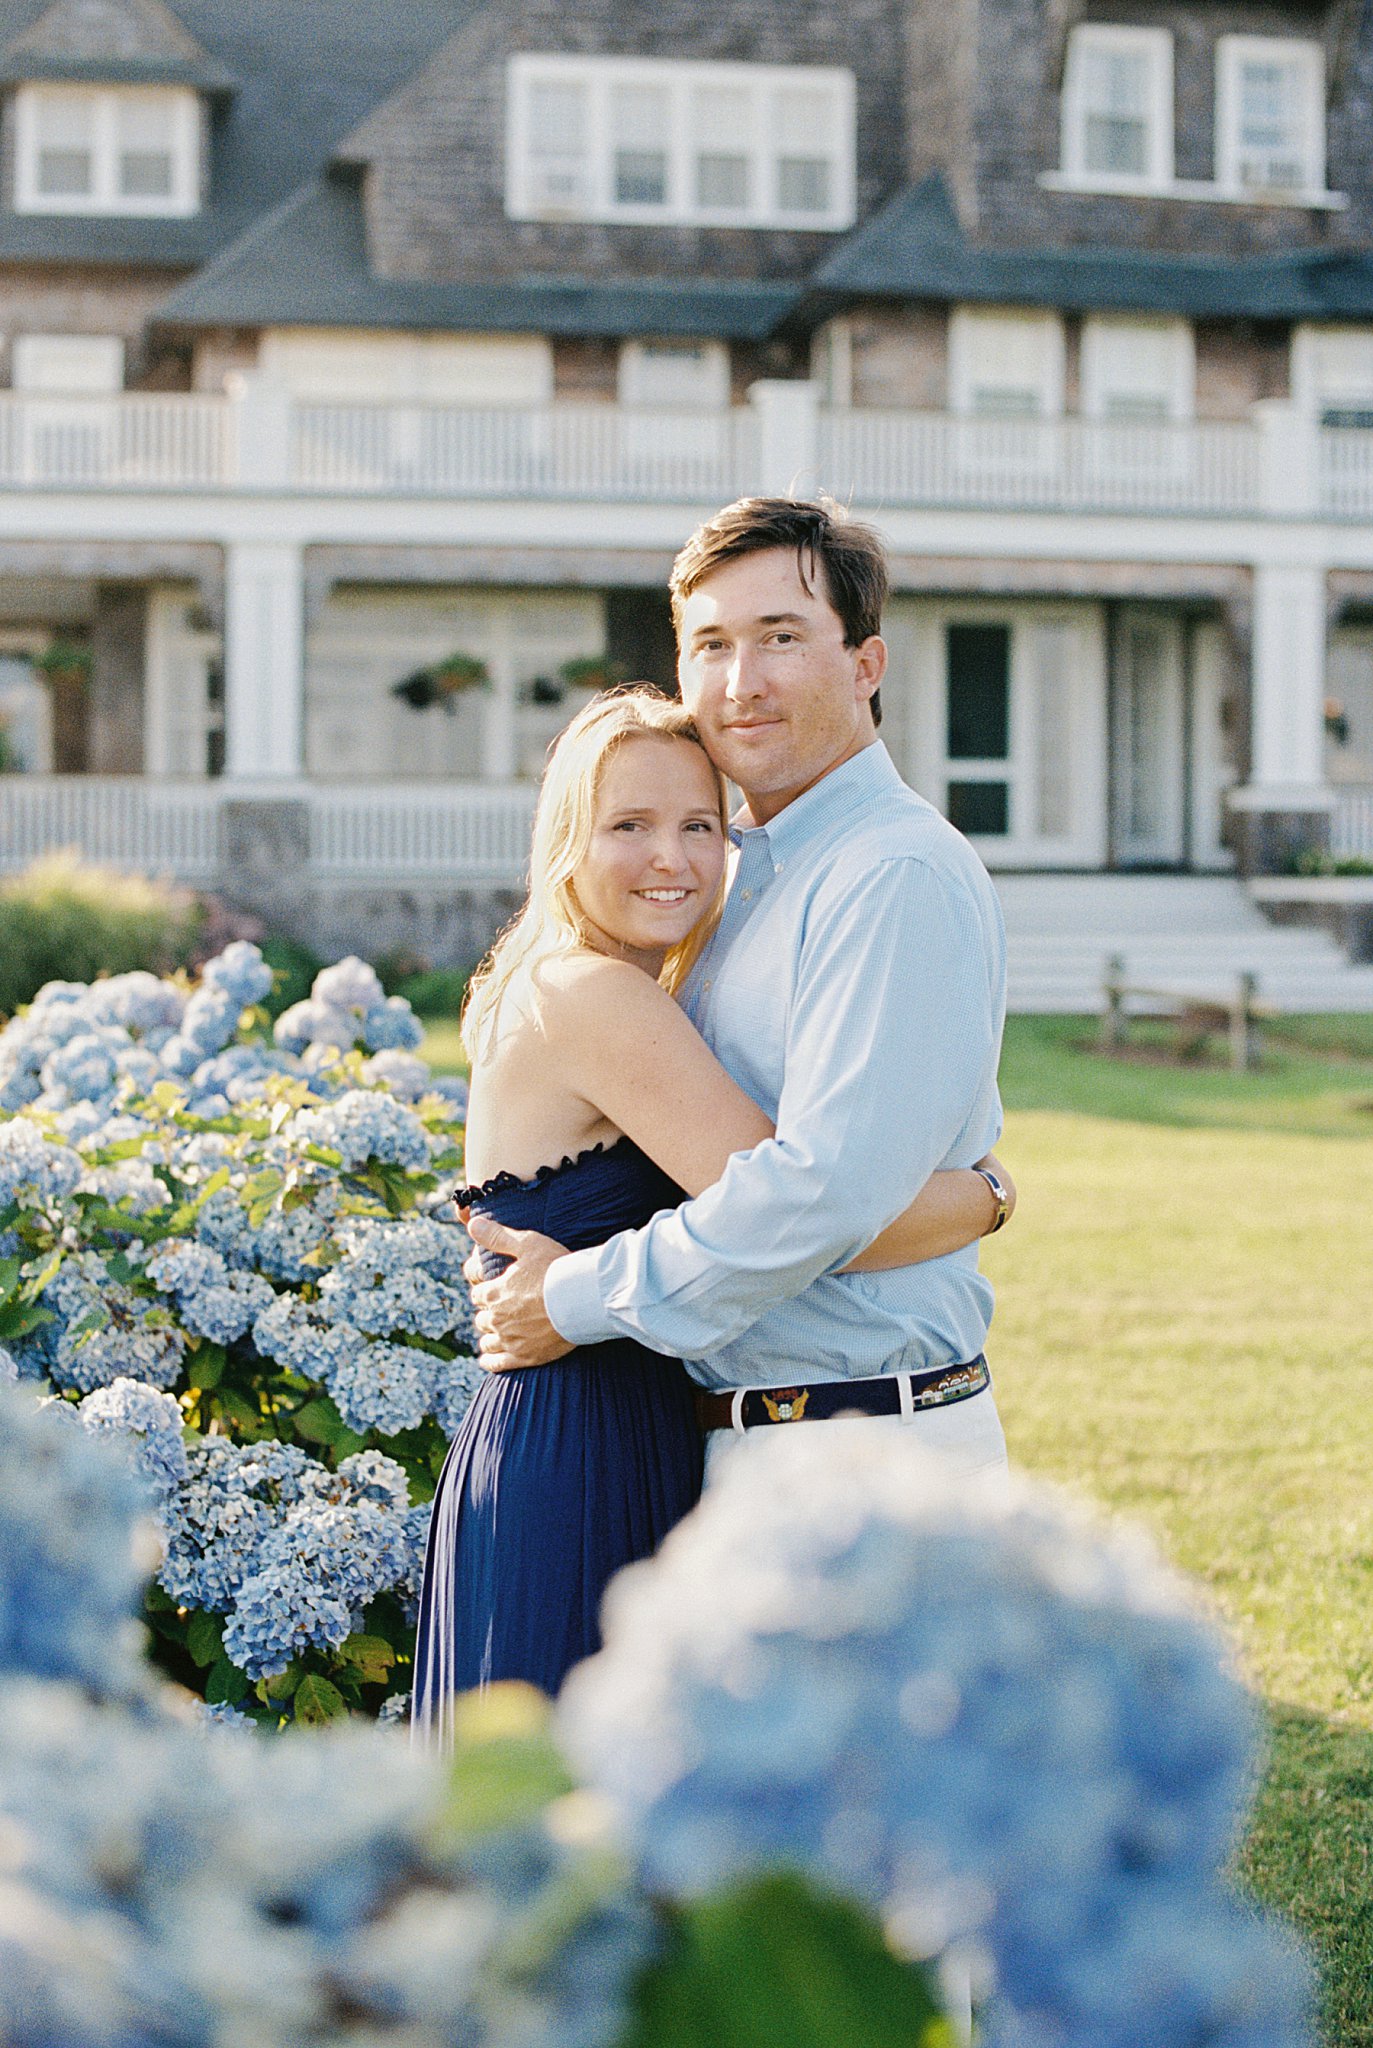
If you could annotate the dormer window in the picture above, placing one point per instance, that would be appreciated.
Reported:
(107, 150)
(1270, 116)
(658, 140)
(1118, 108)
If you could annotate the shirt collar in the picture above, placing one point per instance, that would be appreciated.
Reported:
(823, 807)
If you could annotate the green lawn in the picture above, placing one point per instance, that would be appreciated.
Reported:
(1185, 1334)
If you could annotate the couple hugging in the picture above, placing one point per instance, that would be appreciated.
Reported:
(721, 1117)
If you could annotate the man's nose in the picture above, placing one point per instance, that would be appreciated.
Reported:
(744, 682)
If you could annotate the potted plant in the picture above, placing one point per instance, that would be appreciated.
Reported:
(65, 666)
(443, 682)
(593, 672)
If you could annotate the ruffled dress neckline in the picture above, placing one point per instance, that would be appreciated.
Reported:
(505, 1183)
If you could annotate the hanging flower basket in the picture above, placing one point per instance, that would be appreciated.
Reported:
(67, 661)
(593, 672)
(442, 683)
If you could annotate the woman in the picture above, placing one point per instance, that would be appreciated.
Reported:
(594, 1104)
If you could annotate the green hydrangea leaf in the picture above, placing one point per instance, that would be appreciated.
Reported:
(778, 1964)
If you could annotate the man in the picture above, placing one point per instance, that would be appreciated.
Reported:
(855, 988)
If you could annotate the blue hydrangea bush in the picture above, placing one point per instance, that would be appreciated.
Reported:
(171, 1884)
(228, 1246)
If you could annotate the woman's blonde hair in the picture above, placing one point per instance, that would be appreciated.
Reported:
(552, 921)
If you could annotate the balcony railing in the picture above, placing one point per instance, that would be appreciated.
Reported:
(567, 451)
(1072, 465)
(1351, 826)
(260, 439)
(137, 441)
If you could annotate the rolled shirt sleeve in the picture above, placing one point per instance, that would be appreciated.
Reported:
(888, 1074)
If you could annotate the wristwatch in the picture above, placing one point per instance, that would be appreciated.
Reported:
(1003, 1200)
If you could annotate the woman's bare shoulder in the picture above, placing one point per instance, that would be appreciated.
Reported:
(577, 981)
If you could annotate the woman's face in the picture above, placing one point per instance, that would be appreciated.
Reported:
(657, 851)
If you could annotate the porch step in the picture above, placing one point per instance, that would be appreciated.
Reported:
(1183, 932)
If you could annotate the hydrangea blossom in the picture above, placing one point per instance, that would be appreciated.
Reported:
(241, 972)
(150, 1421)
(363, 1125)
(290, 1552)
(314, 1574)
(104, 1331)
(70, 1572)
(988, 1718)
(34, 1167)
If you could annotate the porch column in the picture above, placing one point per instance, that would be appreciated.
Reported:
(1285, 806)
(264, 660)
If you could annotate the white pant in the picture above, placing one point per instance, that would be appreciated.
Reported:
(966, 1436)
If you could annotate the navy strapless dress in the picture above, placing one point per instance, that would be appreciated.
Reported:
(560, 1474)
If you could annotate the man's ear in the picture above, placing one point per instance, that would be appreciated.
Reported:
(871, 665)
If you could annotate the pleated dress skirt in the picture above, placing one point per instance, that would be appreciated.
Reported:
(559, 1475)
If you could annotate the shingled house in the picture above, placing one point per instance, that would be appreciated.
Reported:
(343, 344)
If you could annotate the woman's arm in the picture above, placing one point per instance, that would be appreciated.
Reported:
(954, 1208)
(632, 1053)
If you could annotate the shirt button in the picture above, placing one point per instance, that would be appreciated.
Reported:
(707, 986)
(748, 895)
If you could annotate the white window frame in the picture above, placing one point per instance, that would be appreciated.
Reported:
(1156, 45)
(601, 76)
(105, 198)
(963, 323)
(1231, 53)
(1181, 393)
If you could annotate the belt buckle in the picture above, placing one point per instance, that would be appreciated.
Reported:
(789, 1405)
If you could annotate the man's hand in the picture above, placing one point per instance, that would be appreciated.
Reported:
(512, 1324)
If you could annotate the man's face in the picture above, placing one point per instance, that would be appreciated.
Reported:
(777, 696)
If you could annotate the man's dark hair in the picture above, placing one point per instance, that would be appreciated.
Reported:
(826, 542)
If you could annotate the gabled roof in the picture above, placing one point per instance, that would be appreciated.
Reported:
(915, 248)
(139, 41)
(305, 265)
(304, 73)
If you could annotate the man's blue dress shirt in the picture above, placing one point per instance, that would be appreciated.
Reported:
(856, 989)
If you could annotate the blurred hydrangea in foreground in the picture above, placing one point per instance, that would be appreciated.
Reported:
(1001, 1726)
(166, 1885)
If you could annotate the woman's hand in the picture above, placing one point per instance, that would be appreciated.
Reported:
(954, 1209)
(990, 1161)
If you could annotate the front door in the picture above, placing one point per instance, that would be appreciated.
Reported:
(1149, 809)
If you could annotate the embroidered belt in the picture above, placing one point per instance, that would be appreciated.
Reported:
(901, 1393)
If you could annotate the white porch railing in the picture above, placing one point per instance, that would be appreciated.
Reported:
(556, 451)
(912, 458)
(171, 828)
(1351, 827)
(262, 439)
(1345, 475)
(134, 441)
(386, 831)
